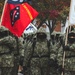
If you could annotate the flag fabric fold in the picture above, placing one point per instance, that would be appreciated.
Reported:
(72, 13)
(63, 28)
(16, 1)
(17, 17)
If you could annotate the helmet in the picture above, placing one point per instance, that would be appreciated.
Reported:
(42, 29)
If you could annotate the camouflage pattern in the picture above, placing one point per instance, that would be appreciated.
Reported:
(54, 48)
(70, 61)
(39, 59)
(27, 53)
(21, 46)
(9, 57)
(69, 66)
(2, 28)
(6, 47)
(39, 64)
(6, 54)
(41, 29)
(36, 57)
(56, 53)
(60, 55)
(41, 56)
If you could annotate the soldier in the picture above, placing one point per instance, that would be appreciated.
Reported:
(41, 56)
(8, 53)
(37, 53)
(28, 51)
(70, 54)
(56, 52)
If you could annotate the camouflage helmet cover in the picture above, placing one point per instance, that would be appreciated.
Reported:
(42, 29)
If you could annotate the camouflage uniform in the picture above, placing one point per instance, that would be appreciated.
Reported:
(37, 53)
(8, 49)
(42, 57)
(70, 55)
(28, 52)
(56, 52)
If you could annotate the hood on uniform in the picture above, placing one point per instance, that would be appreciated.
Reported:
(41, 33)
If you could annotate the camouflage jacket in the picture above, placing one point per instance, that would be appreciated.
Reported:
(71, 46)
(7, 46)
(8, 49)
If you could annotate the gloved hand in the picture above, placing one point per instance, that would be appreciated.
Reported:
(21, 60)
(66, 47)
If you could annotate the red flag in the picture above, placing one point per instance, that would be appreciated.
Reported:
(17, 17)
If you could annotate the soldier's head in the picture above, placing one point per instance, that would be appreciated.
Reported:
(41, 33)
(3, 31)
(71, 37)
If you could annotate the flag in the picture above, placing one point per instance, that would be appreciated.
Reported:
(31, 29)
(16, 1)
(16, 17)
(72, 13)
(19, 1)
(64, 27)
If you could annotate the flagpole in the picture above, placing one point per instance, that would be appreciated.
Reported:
(66, 39)
(64, 52)
(3, 11)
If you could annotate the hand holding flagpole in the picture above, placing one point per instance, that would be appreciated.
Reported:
(70, 23)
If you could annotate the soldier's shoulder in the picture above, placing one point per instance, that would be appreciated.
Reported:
(2, 28)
